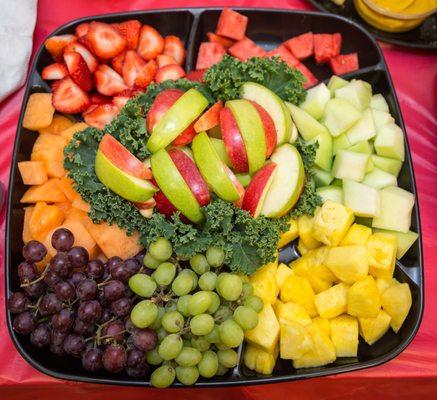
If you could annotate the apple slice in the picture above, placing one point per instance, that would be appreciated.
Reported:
(287, 184)
(220, 148)
(269, 128)
(209, 119)
(257, 189)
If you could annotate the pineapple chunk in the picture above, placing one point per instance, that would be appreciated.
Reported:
(264, 285)
(259, 360)
(348, 263)
(383, 283)
(396, 301)
(305, 224)
(373, 329)
(324, 324)
(290, 235)
(331, 222)
(294, 341)
(332, 302)
(344, 335)
(298, 290)
(381, 248)
(301, 247)
(271, 266)
(363, 298)
(282, 273)
(291, 313)
(357, 234)
(266, 333)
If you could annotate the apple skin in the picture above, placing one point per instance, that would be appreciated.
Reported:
(269, 128)
(233, 141)
(258, 188)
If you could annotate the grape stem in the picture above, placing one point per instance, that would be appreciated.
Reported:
(40, 278)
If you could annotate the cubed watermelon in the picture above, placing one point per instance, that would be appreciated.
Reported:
(282, 52)
(311, 80)
(195, 76)
(326, 46)
(344, 63)
(232, 24)
(209, 54)
(301, 46)
(212, 37)
(245, 49)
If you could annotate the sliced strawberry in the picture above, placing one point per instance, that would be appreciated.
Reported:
(214, 38)
(82, 29)
(97, 99)
(107, 81)
(209, 119)
(150, 43)
(172, 72)
(132, 66)
(78, 70)
(54, 71)
(164, 59)
(90, 60)
(104, 40)
(68, 97)
(123, 97)
(196, 76)
(55, 45)
(147, 74)
(130, 30)
(118, 61)
(174, 47)
(100, 115)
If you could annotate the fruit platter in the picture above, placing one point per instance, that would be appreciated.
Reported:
(202, 197)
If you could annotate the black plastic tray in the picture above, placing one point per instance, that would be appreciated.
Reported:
(423, 37)
(268, 28)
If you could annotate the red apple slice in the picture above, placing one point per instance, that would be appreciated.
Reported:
(240, 188)
(122, 158)
(210, 119)
(269, 128)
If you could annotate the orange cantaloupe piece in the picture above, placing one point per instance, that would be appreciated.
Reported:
(27, 236)
(69, 132)
(48, 192)
(39, 111)
(59, 123)
(80, 204)
(64, 206)
(50, 149)
(102, 257)
(33, 172)
(114, 241)
(66, 185)
(44, 218)
(79, 215)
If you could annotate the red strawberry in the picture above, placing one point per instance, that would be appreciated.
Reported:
(55, 84)
(104, 40)
(146, 75)
(55, 45)
(118, 61)
(150, 43)
(82, 29)
(108, 82)
(68, 97)
(174, 47)
(100, 115)
(54, 71)
(90, 60)
(172, 72)
(130, 30)
(196, 76)
(164, 59)
(120, 101)
(132, 66)
(97, 98)
(78, 70)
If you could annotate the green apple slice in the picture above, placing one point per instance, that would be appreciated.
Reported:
(221, 150)
(213, 170)
(307, 126)
(244, 179)
(177, 118)
(324, 151)
(127, 186)
(173, 185)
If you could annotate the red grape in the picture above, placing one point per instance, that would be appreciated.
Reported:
(83, 328)
(106, 315)
(95, 269)
(92, 359)
(115, 329)
(50, 305)
(34, 251)
(17, 303)
(62, 239)
(74, 344)
(144, 339)
(27, 271)
(35, 290)
(89, 311)
(86, 289)
(113, 290)
(24, 323)
(63, 320)
(64, 291)
(77, 277)
(57, 342)
(78, 256)
(40, 337)
(60, 264)
(114, 358)
(121, 307)
(51, 279)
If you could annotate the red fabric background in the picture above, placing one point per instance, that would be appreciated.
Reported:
(411, 375)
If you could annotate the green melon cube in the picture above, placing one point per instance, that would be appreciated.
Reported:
(381, 118)
(322, 178)
(336, 83)
(357, 92)
(387, 164)
(324, 151)
(404, 240)
(316, 99)
(377, 102)
(333, 193)
(363, 200)
(379, 179)
(361, 147)
(307, 126)
(364, 129)
(339, 143)
(339, 116)
(390, 142)
(350, 165)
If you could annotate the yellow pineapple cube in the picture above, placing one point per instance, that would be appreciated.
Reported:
(305, 225)
(282, 273)
(383, 283)
(331, 222)
(381, 248)
(266, 333)
(290, 235)
(298, 290)
(301, 247)
(291, 312)
(344, 335)
(372, 329)
(357, 234)
(348, 263)
(264, 284)
(294, 341)
(324, 324)
(396, 301)
(259, 360)
(363, 298)
(332, 302)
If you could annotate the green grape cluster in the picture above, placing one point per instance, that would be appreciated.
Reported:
(198, 310)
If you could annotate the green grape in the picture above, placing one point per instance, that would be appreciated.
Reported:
(199, 264)
(144, 314)
(254, 302)
(199, 302)
(228, 358)
(182, 285)
(157, 323)
(231, 333)
(223, 313)
(200, 343)
(163, 376)
(215, 302)
(207, 281)
(201, 324)
(193, 275)
(161, 249)
(170, 306)
(165, 273)
(208, 365)
(213, 336)
(150, 262)
(188, 357)
(247, 289)
(153, 357)
(142, 285)
(215, 256)
(162, 333)
(229, 286)
(246, 317)
(187, 375)
(183, 305)
(173, 321)
(170, 347)
(221, 346)
(221, 370)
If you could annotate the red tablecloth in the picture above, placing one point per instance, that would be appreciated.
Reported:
(412, 374)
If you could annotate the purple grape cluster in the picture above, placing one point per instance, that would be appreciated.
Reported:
(80, 307)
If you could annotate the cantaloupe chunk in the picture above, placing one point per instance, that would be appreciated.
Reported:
(48, 192)
(59, 123)
(80, 204)
(64, 206)
(80, 215)
(69, 132)
(66, 186)
(33, 172)
(50, 149)
(44, 218)
(39, 111)
(114, 241)
(27, 236)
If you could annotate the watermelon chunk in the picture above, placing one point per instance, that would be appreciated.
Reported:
(311, 80)
(284, 54)
(344, 63)
(326, 46)
(209, 54)
(245, 49)
(196, 76)
(232, 24)
(301, 46)
(212, 37)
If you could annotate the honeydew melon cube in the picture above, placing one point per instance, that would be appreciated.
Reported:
(340, 143)
(307, 126)
(333, 193)
(337, 182)
(357, 92)
(377, 102)
(395, 211)
(404, 239)
(362, 199)
(387, 164)
(339, 116)
(364, 129)
(322, 178)
(361, 147)
(336, 83)
(390, 142)
(316, 99)
(379, 179)
(370, 165)
(350, 165)
(381, 118)
(324, 151)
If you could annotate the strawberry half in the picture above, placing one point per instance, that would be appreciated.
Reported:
(118, 61)
(130, 30)
(54, 71)
(146, 75)
(132, 66)
(172, 72)
(100, 115)
(82, 29)
(174, 47)
(68, 97)
(164, 59)
(107, 81)
(90, 60)
(55, 45)
(97, 98)
(150, 43)
(78, 70)
(104, 40)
